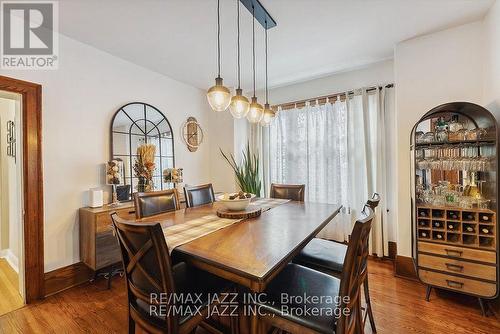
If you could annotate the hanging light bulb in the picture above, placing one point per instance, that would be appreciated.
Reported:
(239, 103)
(218, 96)
(256, 110)
(269, 114)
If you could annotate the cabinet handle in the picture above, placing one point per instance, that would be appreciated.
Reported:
(454, 284)
(131, 212)
(454, 267)
(453, 252)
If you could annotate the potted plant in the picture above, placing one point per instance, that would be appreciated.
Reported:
(247, 172)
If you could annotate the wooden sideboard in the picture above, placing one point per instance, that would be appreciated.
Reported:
(98, 246)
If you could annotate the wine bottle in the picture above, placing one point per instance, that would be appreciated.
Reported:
(469, 229)
(424, 234)
(437, 224)
(450, 227)
(485, 218)
(485, 231)
(439, 236)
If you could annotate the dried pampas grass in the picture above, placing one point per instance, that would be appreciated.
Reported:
(147, 153)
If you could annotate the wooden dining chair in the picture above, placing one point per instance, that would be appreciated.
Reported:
(152, 280)
(330, 256)
(156, 202)
(199, 195)
(294, 192)
(331, 295)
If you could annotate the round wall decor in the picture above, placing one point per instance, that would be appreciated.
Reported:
(192, 134)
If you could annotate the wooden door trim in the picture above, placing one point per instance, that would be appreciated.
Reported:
(32, 183)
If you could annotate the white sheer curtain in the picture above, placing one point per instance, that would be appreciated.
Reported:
(337, 150)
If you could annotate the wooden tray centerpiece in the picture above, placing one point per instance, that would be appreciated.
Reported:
(252, 211)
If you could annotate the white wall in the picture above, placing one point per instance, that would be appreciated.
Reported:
(79, 100)
(372, 75)
(430, 70)
(491, 94)
(222, 136)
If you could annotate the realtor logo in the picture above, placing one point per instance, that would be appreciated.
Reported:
(29, 35)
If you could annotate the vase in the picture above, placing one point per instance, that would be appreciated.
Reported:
(149, 186)
(141, 185)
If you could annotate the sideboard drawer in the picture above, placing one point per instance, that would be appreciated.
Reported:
(103, 220)
(455, 266)
(459, 284)
(458, 252)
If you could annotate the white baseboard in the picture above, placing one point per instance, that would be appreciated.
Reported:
(11, 259)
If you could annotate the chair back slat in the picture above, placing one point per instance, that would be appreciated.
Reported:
(352, 274)
(199, 195)
(148, 267)
(374, 201)
(294, 192)
(156, 202)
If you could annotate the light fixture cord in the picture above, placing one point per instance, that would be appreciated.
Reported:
(267, 91)
(239, 68)
(253, 47)
(218, 38)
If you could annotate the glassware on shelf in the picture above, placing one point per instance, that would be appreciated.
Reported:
(419, 137)
(483, 203)
(472, 134)
(454, 125)
(466, 202)
(442, 135)
(438, 200)
(428, 137)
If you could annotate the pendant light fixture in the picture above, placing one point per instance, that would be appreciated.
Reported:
(269, 114)
(256, 110)
(218, 96)
(239, 103)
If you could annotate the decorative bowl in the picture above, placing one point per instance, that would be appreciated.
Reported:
(234, 204)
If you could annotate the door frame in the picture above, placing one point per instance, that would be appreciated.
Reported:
(32, 183)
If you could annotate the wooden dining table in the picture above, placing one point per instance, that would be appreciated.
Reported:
(253, 251)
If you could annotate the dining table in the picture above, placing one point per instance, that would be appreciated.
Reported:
(252, 251)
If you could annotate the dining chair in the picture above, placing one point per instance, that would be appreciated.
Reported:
(336, 301)
(151, 280)
(156, 202)
(199, 195)
(329, 257)
(294, 192)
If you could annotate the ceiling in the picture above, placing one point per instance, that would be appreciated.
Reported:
(313, 38)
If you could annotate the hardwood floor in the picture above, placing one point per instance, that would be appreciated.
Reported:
(10, 299)
(398, 304)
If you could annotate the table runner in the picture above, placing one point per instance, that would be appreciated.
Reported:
(180, 234)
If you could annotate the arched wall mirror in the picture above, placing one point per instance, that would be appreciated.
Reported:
(133, 125)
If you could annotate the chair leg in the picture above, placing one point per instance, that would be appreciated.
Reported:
(369, 305)
(131, 325)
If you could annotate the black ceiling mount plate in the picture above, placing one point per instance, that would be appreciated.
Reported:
(261, 14)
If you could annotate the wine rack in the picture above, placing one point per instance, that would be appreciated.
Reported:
(456, 244)
(468, 227)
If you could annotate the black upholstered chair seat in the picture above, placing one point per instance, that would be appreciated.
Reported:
(296, 280)
(194, 282)
(323, 254)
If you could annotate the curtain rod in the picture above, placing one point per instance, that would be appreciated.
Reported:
(291, 105)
